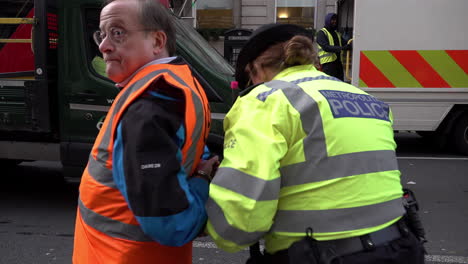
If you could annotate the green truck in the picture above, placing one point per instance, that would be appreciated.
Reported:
(53, 93)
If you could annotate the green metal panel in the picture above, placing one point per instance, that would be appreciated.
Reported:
(76, 97)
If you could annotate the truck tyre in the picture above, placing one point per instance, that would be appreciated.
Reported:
(460, 135)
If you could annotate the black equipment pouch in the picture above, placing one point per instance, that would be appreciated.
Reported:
(412, 218)
(307, 251)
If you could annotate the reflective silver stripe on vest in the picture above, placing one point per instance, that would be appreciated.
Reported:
(315, 148)
(337, 220)
(338, 167)
(226, 231)
(197, 132)
(247, 185)
(326, 55)
(100, 173)
(317, 78)
(111, 227)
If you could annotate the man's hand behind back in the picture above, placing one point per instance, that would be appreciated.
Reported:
(209, 166)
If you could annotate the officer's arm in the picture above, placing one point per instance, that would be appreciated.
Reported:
(322, 40)
(245, 190)
(148, 172)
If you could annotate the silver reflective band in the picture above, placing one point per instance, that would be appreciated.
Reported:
(328, 54)
(88, 107)
(318, 78)
(338, 220)
(341, 166)
(226, 231)
(217, 116)
(197, 130)
(111, 227)
(100, 173)
(314, 144)
(247, 185)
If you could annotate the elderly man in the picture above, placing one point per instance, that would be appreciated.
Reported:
(136, 203)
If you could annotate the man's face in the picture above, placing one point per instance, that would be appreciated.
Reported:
(125, 46)
(333, 22)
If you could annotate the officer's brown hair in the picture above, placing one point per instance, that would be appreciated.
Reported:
(296, 51)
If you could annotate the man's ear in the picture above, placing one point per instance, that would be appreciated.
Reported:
(159, 42)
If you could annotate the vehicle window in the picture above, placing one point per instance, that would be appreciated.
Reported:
(16, 55)
(94, 57)
(189, 37)
(296, 12)
(186, 36)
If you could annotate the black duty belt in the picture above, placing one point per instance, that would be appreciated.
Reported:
(352, 245)
(346, 246)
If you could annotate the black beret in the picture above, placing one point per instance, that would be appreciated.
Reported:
(261, 39)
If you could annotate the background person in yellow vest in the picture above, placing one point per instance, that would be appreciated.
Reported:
(305, 150)
(136, 203)
(330, 45)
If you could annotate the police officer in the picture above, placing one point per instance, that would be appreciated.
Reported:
(306, 157)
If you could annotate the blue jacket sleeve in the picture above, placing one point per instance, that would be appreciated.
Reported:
(148, 171)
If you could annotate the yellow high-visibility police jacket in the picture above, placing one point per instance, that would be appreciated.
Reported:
(304, 150)
(325, 56)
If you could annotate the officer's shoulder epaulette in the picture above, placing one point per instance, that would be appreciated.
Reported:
(249, 89)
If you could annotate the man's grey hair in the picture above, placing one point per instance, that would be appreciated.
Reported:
(154, 16)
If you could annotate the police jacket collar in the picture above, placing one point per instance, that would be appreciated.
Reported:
(283, 73)
(249, 89)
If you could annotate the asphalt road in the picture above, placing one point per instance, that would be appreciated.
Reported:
(37, 209)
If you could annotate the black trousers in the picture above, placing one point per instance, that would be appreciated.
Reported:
(405, 250)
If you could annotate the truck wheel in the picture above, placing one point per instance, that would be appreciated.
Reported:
(460, 135)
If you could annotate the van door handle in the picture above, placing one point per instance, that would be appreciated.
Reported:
(87, 94)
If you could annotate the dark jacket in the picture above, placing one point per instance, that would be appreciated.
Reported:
(322, 39)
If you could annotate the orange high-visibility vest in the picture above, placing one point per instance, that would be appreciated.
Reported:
(106, 229)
